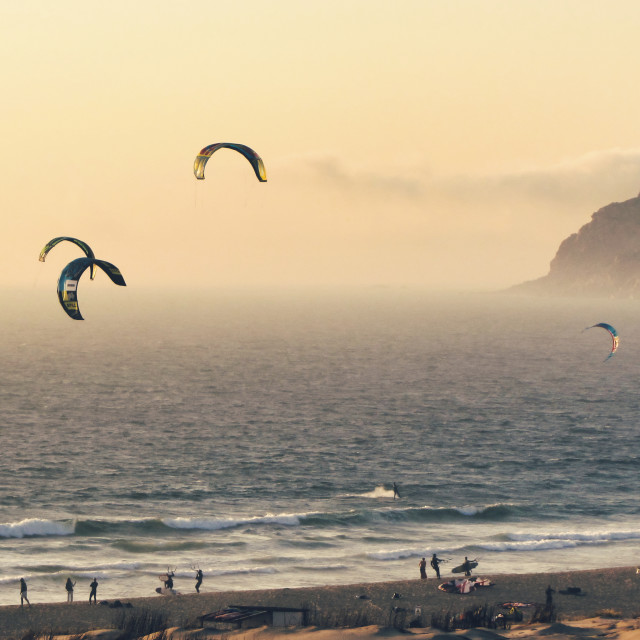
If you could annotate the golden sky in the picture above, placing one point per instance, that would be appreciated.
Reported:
(444, 144)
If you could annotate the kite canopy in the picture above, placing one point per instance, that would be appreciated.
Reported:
(247, 152)
(614, 336)
(83, 245)
(68, 282)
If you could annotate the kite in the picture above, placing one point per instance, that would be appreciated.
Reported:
(68, 282)
(247, 152)
(83, 245)
(612, 332)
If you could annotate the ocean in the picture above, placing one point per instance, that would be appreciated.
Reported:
(257, 435)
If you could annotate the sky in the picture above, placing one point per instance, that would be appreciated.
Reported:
(449, 144)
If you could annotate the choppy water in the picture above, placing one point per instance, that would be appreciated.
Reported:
(258, 436)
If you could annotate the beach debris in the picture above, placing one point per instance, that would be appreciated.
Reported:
(395, 596)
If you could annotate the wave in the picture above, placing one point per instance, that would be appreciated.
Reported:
(378, 492)
(515, 542)
(163, 526)
(36, 527)
(213, 524)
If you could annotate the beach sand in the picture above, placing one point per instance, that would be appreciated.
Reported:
(368, 607)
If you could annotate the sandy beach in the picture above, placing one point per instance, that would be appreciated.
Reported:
(614, 591)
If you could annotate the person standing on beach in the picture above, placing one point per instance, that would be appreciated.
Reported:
(94, 591)
(23, 592)
(466, 566)
(435, 564)
(549, 593)
(168, 583)
(69, 587)
(199, 576)
(423, 569)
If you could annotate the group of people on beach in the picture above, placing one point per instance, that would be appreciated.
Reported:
(435, 564)
(93, 594)
(69, 586)
(466, 566)
(168, 579)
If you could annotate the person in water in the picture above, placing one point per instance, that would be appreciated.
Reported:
(94, 591)
(435, 564)
(199, 576)
(23, 592)
(396, 493)
(423, 569)
(69, 587)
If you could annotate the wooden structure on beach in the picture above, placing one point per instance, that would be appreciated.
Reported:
(248, 617)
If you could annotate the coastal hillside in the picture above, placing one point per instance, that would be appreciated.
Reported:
(601, 259)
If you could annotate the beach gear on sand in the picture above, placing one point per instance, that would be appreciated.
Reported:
(464, 585)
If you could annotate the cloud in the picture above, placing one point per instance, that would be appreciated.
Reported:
(598, 176)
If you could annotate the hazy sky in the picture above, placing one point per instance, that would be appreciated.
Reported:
(449, 143)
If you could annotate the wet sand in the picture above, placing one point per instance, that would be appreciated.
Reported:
(367, 606)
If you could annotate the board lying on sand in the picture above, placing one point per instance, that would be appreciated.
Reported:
(461, 568)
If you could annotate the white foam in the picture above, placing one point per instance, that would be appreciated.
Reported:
(213, 524)
(36, 527)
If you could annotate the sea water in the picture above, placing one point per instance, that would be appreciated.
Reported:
(256, 436)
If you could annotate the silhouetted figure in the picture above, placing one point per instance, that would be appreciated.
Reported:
(396, 492)
(199, 576)
(549, 593)
(168, 583)
(69, 587)
(435, 564)
(94, 591)
(23, 592)
(423, 569)
(466, 567)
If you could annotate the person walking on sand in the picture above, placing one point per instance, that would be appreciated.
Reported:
(466, 566)
(199, 576)
(94, 591)
(435, 565)
(396, 492)
(23, 592)
(423, 569)
(69, 587)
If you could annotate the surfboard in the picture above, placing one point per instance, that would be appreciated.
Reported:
(460, 568)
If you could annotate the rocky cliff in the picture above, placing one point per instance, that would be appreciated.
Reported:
(602, 259)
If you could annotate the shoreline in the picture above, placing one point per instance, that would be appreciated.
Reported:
(616, 589)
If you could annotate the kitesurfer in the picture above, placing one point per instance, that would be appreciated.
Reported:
(69, 587)
(94, 591)
(423, 569)
(168, 583)
(435, 564)
(199, 576)
(396, 492)
(23, 592)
